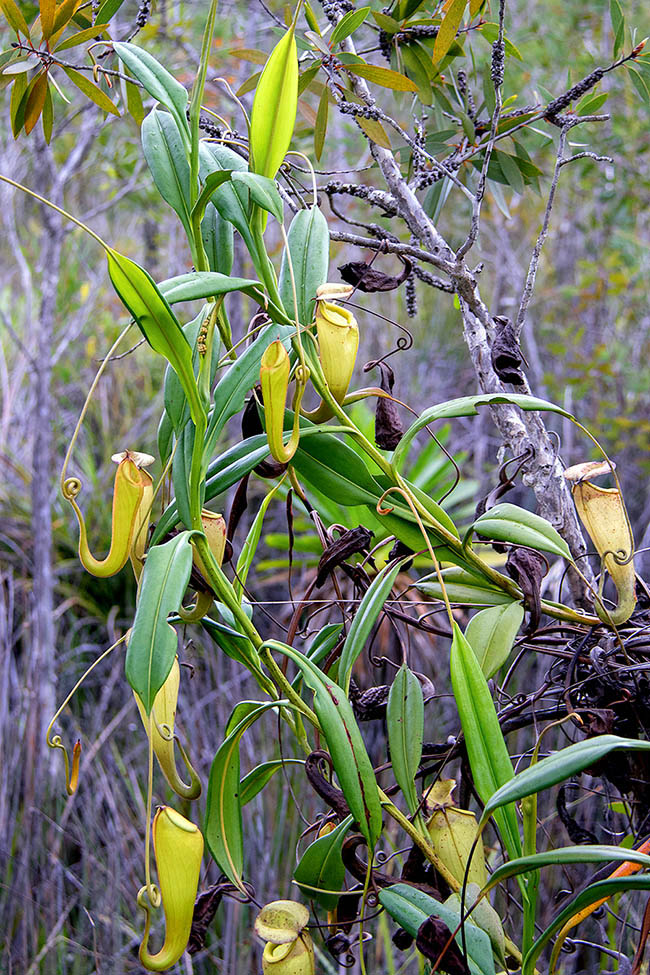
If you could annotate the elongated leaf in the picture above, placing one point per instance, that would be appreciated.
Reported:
(153, 642)
(205, 284)
(510, 523)
(337, 470)
(66, 10)
(223, 821)
(468, 406)
(174, 395)
(411, 907)
(139, 293)
(213, 159)
(320, 647)
(181, 467)
(486, 749)
(309, 245)
(405, 721)
(249, 548)
(225, 471)
(164, 151)
(365, 618)
(261, 191)
(448, 29)
(348, 24)
(274, 108)
(559, 766)
(591, 895)
(321, 867)
(566, 854)
(91, 91)
(217, 235)
(234, 644)
(464, 588)
(157, 80)
(35, 101)
(212, 183)
(14, 17)
(256, 780)
(491, 634)
(320, 126)
(345, 744)
(81, 37)
(109, 8)
(47, 8)
(382, 76)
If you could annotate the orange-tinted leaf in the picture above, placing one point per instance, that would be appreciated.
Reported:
(375, 131)
(64, 13)
(48, 115)
(382, 76)
(35, 101)
(81, 37)
(448, 29)
(91, 91)
(17, 105)
(248, 54)
(249, 84)
(475, 6)
(48, 10)
(14, 17)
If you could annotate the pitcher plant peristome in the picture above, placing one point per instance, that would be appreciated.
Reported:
(275, 368)
(178, 849)
(163, 738)
(602, 512)
(132, 496)
(289, 949)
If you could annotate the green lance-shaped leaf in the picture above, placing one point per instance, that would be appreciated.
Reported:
(566, 854)
(411, 908)
(261, 191)
(218, 242)
(223, 820)
(216, 159)
(365, 618)
(195, 285)
(153, 642)
(510, 523)
(491, 634)
(448, 29)
(337, 470)
(164, 151)
(157, 81)
(345, 744)
(256, 780)
(249, 548)
(274, 109)
(405, 720)
(181, 467)
(591, 895)
(320, 647)
(321, 868)
(463, 587)
(308, 247)
(486, 749)
(468, 406)
(557, 767)
(348, 24)
(139, 293)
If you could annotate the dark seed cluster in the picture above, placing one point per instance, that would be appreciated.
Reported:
(362, 111)
(559, 104)
(497, 70)
(143, 14)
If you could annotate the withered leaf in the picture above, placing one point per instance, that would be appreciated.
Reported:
(349, 543)
(322, 786)
(433, 934)
(506, 355)
(389, 428)
(528, 568)
(368, 279)
(205, 908)
(370, 704)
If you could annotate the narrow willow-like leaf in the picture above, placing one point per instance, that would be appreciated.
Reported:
(309, 244)
(337, 470)
(218, 241)
(411, 908)
(223, 829)
(463, 587)
(566, 854)
(320, 647)
(234, 644)
(91, 91)
(591, 895)
(274, 109)
(448, 29)
(256, 780)
(365, 618)
(559, 766)
(153, 642)
(345, 744)
(468, 406)
(321, 867)
(157, 80)
(348, 24)
(139, 293)
(491, 634)
(164, 151)
(510, 523)
(405, 721)
(383, 76)
(486, 749)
